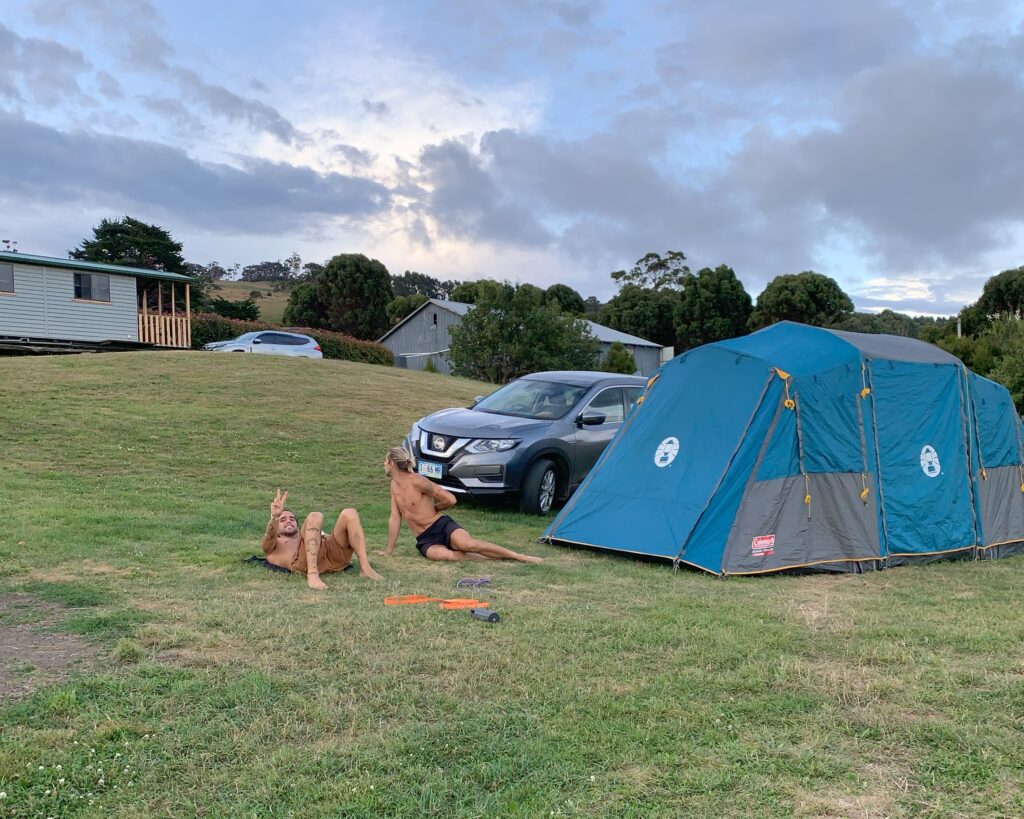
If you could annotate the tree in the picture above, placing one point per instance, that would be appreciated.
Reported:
(569, 301)
(247, 310)
(1003, 295)
(411, 282)
(592, 307)
(465, 292)
(310, 270)
(618, 360)
(1006, 337)
(807, 297)
(513, 331)
(402, 306)
(714, 306)
(265, 272)
(132, 243)
(304, 308)
(649, 314)
(351, 296)
(654, 271)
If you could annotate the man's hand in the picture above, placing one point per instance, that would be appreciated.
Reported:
(277, 504)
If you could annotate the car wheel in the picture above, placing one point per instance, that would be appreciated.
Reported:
(539, 488)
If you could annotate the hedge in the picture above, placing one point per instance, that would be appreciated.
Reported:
(207, 327)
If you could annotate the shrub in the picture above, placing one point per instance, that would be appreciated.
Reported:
(430, 366)
(207, 327)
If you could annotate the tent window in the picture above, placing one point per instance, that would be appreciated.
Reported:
(92, 286)
(6, 278)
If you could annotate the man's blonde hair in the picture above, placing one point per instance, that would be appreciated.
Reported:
(401, 458)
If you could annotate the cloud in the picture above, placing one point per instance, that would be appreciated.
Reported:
(109, 86)
(747, 44)
(465, 201)
(43, 71)
(45, 164)
(133, 27)
(377, 109)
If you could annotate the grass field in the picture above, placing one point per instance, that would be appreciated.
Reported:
(271, 304)
(133, 484)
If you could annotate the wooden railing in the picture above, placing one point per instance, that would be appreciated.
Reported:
(165, 331)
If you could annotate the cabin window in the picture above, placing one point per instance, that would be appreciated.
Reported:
(92, 286)
(434, 320)
(6, 278)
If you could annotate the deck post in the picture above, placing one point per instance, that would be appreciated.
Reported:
(188, 318)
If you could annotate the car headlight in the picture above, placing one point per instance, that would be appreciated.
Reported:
(491, 445)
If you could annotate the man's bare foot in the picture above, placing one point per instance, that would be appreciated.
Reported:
(370, 573)
(531, 559)
(314, 581)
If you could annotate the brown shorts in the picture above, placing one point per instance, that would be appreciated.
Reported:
(332, 557)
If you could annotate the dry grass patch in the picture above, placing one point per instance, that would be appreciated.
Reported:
(32, 655)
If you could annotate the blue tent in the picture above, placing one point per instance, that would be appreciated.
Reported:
(797, 447)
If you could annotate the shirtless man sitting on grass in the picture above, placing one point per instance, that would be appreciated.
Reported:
(419, 502)
(311, 551)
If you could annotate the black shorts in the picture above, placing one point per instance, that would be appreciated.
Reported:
(439, 533)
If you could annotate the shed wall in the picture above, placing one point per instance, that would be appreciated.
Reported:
(419, 335)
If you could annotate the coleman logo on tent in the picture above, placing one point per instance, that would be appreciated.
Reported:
(930, 461)
(667, 451)
(763, 545)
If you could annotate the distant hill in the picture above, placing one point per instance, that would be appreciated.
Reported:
(271, 306)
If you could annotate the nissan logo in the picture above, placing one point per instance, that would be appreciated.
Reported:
(437, 443)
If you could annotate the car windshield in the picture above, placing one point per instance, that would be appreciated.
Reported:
(526, 398)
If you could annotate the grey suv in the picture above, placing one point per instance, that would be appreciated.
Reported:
(537, 437)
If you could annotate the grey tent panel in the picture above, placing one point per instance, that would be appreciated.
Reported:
(1002, 505)
(773, 530)
(897, 348)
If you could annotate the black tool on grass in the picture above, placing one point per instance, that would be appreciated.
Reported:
(486, 615)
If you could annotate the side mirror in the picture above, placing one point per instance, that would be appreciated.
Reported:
(256, 341)
(477, 400)
(591, 418)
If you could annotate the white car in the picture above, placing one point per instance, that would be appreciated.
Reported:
(269, 342)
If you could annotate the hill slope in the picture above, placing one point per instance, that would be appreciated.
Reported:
(271, 303)
(133, 484)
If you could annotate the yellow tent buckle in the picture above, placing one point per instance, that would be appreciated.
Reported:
(807, 499)
(864, 494)
(789, 403)
(984, 474)
(864, 393)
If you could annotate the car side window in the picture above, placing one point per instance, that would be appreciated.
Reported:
(265, 338)
(280, 339)
(631, 394)
(608, 402)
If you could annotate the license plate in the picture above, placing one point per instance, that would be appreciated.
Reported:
(430, 470)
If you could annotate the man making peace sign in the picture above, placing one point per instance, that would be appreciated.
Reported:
(310, 550)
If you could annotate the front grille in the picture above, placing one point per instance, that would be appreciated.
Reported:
(437, 443)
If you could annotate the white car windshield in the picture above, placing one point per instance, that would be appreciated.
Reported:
(526, 398)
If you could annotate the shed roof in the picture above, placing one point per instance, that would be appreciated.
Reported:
(603, 334)
(95, 267)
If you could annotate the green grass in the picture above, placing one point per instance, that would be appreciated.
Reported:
(133, 484)
(271, 303)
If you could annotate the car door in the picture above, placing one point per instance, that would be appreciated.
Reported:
(591, 440)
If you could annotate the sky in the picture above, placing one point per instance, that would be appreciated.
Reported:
(877, 142)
